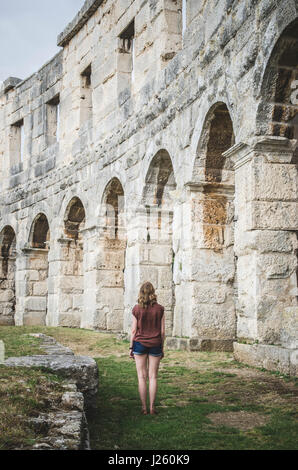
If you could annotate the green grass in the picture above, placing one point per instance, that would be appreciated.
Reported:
(192, 386)
(17, 343)
(183, 421)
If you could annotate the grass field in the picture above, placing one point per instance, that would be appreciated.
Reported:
(205, 400)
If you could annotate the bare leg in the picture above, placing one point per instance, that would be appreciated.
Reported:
(153, 373)
(141, 364)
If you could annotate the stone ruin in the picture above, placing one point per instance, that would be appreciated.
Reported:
(159, 144)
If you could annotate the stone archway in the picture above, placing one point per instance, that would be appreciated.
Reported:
(7, 276)
(274, 201)
(111, 259)
(36, 299)
(278, 108)
(157, 254)
(214, 285)
(71, 278)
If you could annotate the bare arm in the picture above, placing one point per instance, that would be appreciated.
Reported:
(133, 331)
(163, 330)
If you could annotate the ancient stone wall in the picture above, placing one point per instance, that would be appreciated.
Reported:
(160, 145)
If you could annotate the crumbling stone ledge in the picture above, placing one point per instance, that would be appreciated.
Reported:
(199, 344)
(268, 356)
(64, 429)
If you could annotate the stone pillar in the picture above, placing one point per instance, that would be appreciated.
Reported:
(266, 213)
(32, 286)
(7, 290)
(21, 285)
(149, 257)
(66, 283)
(91, 288)
(206, 269)
(54, 292)
(36, 303)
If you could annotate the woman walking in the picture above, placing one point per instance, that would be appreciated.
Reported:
(146, 343)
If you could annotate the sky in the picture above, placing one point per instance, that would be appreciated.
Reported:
(28, 33)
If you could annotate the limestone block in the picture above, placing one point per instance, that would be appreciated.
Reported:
(34, 319)
(38, 263)
(150, 274)
(43, 274)
(40, 289)
(165, 278)
(111, 297)
(7, 295)
(246, 327)
(165, 298)
(70, 319)
(115, 320)
(110, 259)
(275, 215)
(274, 181)
(214, 321)
(266, 356)
(7, 319)
(78, 301)
(206, 293)
(32, 275)
(210, 266)
(72, 284)
(73, 400)
(100, 319)
(35, 304)
(110, 278)
(273, 241)
(66, 302)
(160, 254)
(289, 327)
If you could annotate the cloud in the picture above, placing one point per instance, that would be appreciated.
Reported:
(28, 33)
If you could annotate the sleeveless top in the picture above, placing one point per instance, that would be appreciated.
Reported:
(148, 324)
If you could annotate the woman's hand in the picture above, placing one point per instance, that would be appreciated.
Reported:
(131, 354)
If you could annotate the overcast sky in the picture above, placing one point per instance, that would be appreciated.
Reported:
(28, 33)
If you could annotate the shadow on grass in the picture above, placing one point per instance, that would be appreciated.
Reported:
(118, 424)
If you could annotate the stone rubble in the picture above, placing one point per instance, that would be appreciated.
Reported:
(66, 428)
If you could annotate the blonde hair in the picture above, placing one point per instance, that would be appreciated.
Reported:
(147, 295)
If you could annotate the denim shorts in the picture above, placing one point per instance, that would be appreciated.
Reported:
(139, 349)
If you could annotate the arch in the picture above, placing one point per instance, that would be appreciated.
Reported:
(205, 111)
(159, 257)
(61, 210)
(272, 36)
(8, 246)
(36, 278)
(70, 288)
(278, 108)
(7, 276)
(40, 232)
(159, 181)
(213, 226)
(112, 257)
(74, 218)
(113, 207)
(216, 137)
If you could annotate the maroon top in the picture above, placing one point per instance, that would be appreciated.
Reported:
(148, 324)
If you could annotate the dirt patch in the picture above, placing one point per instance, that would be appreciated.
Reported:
(239, 419)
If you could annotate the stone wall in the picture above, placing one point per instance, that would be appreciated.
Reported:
(64, 427)
(187, 140)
